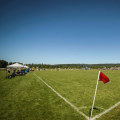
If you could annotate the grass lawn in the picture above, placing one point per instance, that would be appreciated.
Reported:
(28, 98)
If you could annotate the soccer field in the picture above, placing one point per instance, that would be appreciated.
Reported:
(59, 95)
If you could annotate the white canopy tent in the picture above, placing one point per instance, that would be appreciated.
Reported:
(16, 65)
(26, 66)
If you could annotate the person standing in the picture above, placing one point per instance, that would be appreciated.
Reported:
(8, 70)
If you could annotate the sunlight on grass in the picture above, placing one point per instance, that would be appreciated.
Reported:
(26, 97)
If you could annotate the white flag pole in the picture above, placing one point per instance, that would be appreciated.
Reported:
(94, 96)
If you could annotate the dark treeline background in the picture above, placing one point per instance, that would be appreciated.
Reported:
(79, 66)
(3, 64)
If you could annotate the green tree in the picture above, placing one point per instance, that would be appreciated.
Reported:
(3, 63)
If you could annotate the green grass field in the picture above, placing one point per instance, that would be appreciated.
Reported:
(28, 98)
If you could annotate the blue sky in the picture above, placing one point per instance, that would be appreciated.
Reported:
(60, 31)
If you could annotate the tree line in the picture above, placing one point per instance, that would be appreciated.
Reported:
(72, 66)
(3, 64)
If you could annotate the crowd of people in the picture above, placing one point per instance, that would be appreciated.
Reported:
(16, 72)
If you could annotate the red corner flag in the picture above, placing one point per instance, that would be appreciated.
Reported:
(103, 77)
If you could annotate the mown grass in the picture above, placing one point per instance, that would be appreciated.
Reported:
(78, 87)
(27, 98)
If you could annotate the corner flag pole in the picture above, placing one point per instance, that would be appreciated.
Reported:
(94, 95)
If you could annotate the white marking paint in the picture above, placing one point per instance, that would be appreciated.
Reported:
(106, 111)
(74, 107)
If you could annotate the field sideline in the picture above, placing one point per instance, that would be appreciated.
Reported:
(27, 97)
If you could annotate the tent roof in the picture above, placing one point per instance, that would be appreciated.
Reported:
(16, 65)
(26, 66)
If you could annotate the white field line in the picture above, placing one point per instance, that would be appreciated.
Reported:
(74, 107)
(106, 111)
